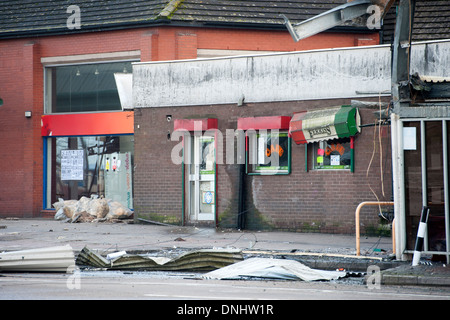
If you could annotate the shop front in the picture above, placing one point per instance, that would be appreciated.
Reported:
(87, 131)
(332, 132)
(426, 183)
(306, 163)
(88, 155)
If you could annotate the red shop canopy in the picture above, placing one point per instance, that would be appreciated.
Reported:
(87, 124)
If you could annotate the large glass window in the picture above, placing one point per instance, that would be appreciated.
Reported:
(83, 87)
(332, 154)
(269, 152)
(90, 165)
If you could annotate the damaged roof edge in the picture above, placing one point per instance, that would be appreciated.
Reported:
(85, 29)
(161, 21)
(169, 9)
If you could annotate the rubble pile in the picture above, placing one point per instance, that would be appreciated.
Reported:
(90, 210)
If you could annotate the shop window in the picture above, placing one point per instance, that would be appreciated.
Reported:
(83, 87)
(90, 165)
(333, 154)
(269, 152)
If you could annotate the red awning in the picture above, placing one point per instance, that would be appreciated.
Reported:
(87, 124)
(195, 124)
(264, 123)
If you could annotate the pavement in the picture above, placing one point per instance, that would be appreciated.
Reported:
(316, 250)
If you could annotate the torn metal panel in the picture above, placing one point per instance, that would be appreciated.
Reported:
(53, 259)
(283, 269)
(199, 260)
(426, 111)
(328, 19)
(429, 88)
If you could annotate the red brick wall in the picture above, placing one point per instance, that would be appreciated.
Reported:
(318, 201)
(276, 40)
(21, 87)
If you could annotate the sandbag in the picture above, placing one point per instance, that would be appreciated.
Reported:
(90, 209)
(118, 211)
(98, 208)
(60, 214)
(68, 207)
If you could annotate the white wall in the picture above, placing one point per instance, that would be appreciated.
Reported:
(307, 75)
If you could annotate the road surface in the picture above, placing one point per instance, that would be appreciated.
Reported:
(114, 285)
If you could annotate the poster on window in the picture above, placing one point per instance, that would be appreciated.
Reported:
(72, 164)
(335, 160)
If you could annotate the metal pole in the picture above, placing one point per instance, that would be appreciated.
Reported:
(446, 189)
(418, 248)
(401, 226)
(423, 159)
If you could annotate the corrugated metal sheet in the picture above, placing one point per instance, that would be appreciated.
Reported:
(434, 79)
(53, 259)
(199, 260)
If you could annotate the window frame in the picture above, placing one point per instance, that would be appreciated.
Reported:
(251, 159)
(349, 167)
(51, 165)
(48, 83)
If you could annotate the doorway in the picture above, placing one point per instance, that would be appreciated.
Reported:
(426, 172)
(201, 173)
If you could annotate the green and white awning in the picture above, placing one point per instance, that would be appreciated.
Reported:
(326, 124)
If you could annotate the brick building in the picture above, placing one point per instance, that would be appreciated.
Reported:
(59, 91)
(191, 168)
(317, 186)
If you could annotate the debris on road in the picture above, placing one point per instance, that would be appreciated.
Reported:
(90, 210)
(282, 269)
(198, 260)
(52, 259)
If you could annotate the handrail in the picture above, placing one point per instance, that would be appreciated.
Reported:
(358, 209)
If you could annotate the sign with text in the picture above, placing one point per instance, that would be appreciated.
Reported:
(72, 164)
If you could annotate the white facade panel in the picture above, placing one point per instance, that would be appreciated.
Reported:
(306, 75)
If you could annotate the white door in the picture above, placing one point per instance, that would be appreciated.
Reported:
(202, 172)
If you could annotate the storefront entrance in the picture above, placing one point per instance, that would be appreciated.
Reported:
(201, 193)
(90, 166)
(90, 154)
(199, 169)
(426, 154)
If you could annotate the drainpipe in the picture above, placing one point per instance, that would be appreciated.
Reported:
(241, 207)
(241, 157)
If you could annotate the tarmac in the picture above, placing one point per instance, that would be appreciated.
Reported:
(316, 250)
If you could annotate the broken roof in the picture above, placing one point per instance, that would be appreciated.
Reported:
(251, 12)
(21, 18)
(431, 21)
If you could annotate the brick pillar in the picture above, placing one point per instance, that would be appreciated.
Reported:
(149, 47)
(32, 90)
(186, 46)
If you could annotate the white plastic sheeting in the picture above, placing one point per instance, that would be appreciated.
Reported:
(283, 269)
